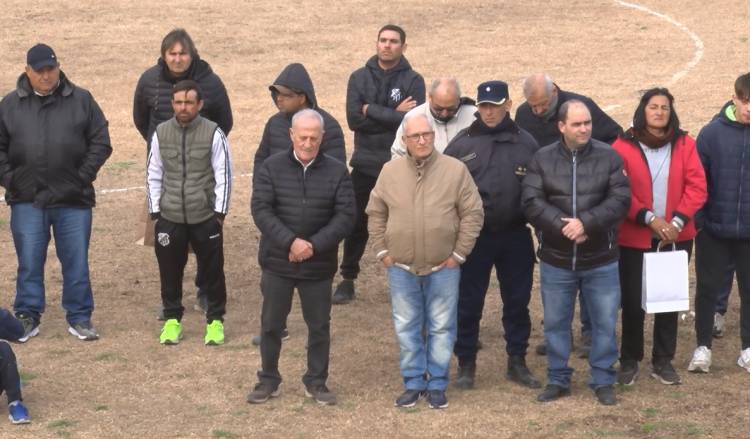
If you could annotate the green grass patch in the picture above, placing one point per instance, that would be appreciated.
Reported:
(223, 434)
(650, 412)
(648, 427)
(64, 433)
(694, 430)
(100, 408)
(27, 375)
(60, 424)
(624, 389)
(109, 356)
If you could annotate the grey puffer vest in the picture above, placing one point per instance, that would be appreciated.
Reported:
(188, 180)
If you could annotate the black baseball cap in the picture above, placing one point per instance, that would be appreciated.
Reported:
(492, 92)
(41, 56)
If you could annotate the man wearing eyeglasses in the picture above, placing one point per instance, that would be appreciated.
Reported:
(496, 152)
(446, 111)
(378, 96)
(424, 216)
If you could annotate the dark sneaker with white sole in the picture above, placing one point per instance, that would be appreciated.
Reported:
(628, 372)
(409, 398)
(30, 327)
(437, 399)
(321, 394)
(666, 374)
(84, 331)
(262, 392)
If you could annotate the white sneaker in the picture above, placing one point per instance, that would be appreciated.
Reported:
(701, 361)
(744, 360)
(718, 329)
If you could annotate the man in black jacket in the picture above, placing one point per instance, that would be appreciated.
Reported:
(377, 98)
(496, 152)
(538, 116)
(291, 92)
(152, 103)
(303, 205)
(575, 194)
(53, 141)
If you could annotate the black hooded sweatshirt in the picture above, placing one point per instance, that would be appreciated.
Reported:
(383, 91)
(276, 133)
(152, 103)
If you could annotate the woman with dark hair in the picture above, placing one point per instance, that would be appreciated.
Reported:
(668, 187)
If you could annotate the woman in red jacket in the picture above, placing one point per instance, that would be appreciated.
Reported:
(668, 187)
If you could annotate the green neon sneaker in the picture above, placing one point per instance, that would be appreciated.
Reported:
(214, 333)
(171, 332)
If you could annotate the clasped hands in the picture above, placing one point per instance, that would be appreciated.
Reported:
(300, 250)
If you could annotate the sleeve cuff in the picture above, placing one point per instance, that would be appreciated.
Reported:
(460, 259)
(649, 217)
(381, 254)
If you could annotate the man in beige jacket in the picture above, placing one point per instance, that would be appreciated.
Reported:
(425, 213)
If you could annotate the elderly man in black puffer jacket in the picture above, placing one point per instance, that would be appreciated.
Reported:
(303, 205)
(152, 103)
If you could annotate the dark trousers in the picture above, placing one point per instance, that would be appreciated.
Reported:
(712, 257)
(633, 316)
(10, 381)
(315, 298)
(171, 245)
(722, 302)
(511, 252)
(355, 243)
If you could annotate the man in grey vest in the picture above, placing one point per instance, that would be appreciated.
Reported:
(189, 185)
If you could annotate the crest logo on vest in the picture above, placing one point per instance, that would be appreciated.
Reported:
(396, 95)
(163, 239)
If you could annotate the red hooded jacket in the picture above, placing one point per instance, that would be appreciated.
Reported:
(686, 189)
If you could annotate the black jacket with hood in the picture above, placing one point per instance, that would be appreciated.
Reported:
(51, 147)
(276, 133)
(152, 103)
(382, 90)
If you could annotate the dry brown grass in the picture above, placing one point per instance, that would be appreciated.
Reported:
(127, 385)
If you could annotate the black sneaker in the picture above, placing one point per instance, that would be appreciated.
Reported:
(437, 399)
(465, 375)
(409, 398)
(344, 292)
(84, 331)
(30, 327)
(321, 394)
(284, 337)
(519, 373)
(552, 392)
(628, 373)
(606, 395)
(666, 374)
(262, 392)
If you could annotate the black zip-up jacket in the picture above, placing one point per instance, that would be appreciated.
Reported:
(497, 159)
(724, 149)
(276, 133)
(51, 147)
(382, 90)
(604, 128)
(152, 103)
(588, 184)
(316, 205)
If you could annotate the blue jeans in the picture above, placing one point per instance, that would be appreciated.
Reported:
(600, 288)
(425, 302)
(31, 234)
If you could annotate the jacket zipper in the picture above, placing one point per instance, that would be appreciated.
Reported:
(575, 204)
(184, 173)
(742, 172)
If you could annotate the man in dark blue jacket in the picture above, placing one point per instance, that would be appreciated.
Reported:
(377, 98)
(302, 203)
(53, 140)
(724, 238)
(496, 151)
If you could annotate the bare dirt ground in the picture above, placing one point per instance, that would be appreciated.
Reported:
(127, 385)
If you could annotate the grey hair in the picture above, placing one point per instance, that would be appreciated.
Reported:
(530, 82)
(308, 113)
(413, 116)
(447, 80)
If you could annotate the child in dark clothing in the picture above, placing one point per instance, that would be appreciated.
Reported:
(11, 329)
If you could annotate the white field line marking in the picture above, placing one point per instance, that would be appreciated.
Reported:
(697, 56)
(138, 188)
(697, 42)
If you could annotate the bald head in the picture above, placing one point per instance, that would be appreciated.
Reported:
(445, 96)
(541, 94)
